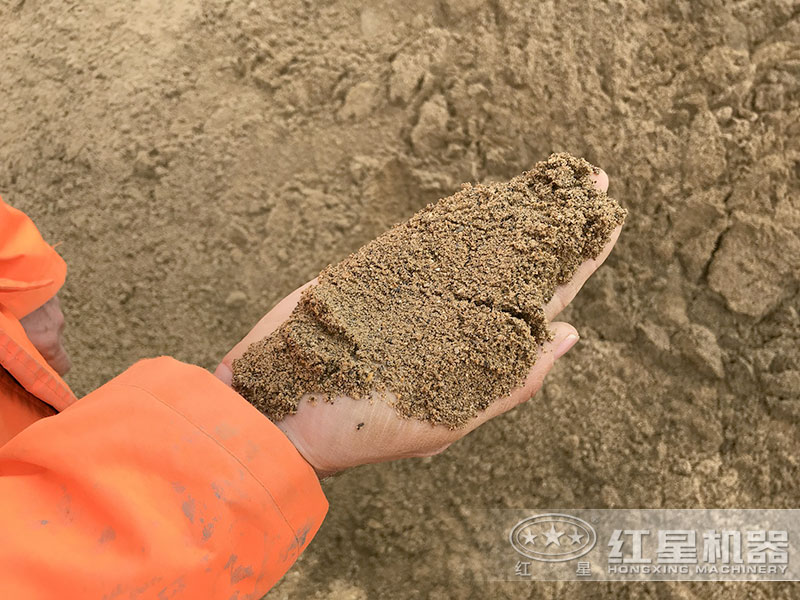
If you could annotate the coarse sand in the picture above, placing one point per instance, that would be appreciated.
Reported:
(444, 311)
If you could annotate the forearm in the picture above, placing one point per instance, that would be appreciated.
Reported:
(163, 480)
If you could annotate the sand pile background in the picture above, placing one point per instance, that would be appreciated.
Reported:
(201, 159)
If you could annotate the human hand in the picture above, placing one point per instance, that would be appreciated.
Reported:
(44, 328)
(347, 432)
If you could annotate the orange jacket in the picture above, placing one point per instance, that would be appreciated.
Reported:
(163, 483)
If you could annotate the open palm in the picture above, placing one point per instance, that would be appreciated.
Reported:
(347, 432)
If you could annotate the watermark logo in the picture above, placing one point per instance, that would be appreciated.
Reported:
(639, 544)
(553, 537)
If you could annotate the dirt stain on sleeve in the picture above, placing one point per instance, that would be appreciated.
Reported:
(240, 573)
(108, 535)
(188, 509)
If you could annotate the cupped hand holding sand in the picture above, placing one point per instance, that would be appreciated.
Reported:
(439, 325)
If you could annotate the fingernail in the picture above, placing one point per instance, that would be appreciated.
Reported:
(565, 345)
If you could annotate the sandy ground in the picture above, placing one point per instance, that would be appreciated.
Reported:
(200, 159)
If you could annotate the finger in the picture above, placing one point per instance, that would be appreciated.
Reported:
(565, 336)
(564, 294)
(268, 323)
(52, 350)
(59, 359)
(600, 180)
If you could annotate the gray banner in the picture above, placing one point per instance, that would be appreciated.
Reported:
(637, 545)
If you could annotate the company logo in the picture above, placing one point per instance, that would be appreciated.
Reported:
(553, 537)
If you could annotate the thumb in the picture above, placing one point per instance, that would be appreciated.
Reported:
(224, 373)
(266, 326)
(565, 336)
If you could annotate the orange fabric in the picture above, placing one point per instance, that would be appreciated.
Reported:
(20, 408)
(20, 358)
(163, 483)
(31, 273)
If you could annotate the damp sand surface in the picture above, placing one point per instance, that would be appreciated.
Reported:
(445, 311)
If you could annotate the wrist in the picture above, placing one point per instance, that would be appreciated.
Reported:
(224, 373)
(320, 467)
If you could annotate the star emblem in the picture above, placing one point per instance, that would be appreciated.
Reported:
(553, 535)
(576, 537)
(529, 537)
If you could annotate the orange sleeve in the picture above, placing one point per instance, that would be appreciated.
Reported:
(31, 272)
(163, 483)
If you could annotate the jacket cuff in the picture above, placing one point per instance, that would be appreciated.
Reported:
(245, 433)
